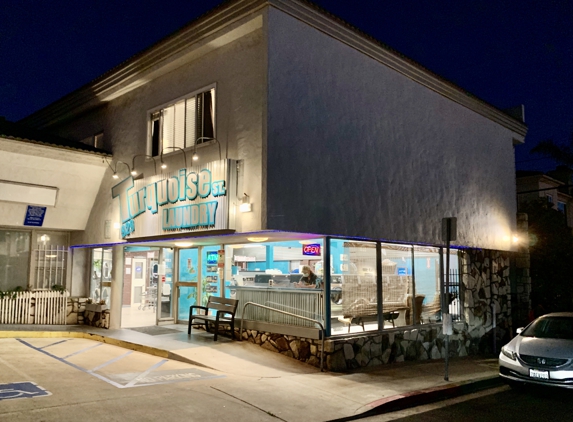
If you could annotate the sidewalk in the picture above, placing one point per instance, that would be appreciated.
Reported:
(284, 387)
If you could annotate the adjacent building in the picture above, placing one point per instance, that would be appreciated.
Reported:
(269, 135)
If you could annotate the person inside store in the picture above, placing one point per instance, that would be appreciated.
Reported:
(309, 279)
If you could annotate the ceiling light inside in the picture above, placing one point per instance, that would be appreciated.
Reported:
(257, 239)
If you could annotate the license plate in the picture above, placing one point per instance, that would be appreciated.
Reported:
(534, 373)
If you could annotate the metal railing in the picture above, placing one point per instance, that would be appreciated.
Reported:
(292, 315)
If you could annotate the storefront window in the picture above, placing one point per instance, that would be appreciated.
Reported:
(397, 285)
(210, 281)
(455, 297)
(271, 274)
(51, 257)
(100, 282)
(427, 265)
(14, 259)
(353, 292)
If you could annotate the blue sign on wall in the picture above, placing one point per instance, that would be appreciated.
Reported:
(402, 271)
(22, 390)
(35, 216)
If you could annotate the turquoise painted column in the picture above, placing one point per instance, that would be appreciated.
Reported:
(270, 257)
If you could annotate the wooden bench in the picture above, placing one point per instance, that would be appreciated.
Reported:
(224, 315)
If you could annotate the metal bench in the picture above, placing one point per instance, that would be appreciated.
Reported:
(224, 314)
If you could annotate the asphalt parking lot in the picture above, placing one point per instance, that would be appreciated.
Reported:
(69, 379)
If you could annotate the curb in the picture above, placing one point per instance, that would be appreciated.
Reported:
(154, 351)
(422, 397)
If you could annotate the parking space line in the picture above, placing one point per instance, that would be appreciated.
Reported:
(156, 377)
(109, 362)
(143, 374)
(115, 384)
(83, 350)
(53, 344)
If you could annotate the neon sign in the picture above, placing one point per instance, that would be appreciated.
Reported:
(311, 250)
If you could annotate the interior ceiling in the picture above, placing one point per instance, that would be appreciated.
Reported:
(227, 239)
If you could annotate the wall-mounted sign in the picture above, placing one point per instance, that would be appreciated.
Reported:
(311, 250)
(189, 199)
(34, 216)
(212, 257)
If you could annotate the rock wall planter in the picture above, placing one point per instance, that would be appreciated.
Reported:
(94, 307)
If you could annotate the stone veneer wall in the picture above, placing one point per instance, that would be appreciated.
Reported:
(487, 293)
(485, 278)
(77, 314)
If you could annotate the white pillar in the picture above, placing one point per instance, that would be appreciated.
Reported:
(116, 298)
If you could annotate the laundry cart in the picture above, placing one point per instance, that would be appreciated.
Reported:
(149, 298)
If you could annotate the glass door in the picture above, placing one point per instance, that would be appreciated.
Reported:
(165, 289)
(188, 274)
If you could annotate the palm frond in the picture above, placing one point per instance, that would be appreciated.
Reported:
(561, 153)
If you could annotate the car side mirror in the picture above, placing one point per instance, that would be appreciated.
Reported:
(519, 330)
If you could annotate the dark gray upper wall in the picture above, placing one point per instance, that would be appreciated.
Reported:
(356, 148)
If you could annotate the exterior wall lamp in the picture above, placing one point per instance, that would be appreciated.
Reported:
(195, 156)
(245, 204)
(133, 171)
(114, 169)
(163, 165)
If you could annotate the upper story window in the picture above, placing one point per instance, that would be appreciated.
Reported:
(561, 206)
(549, 198)
(181, 124)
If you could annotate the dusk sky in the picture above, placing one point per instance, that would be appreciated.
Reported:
(504, 52)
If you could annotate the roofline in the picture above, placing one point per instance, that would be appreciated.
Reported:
(549, 179)
(233, 11)
(96, 152)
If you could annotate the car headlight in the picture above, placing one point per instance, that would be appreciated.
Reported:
(508, 353)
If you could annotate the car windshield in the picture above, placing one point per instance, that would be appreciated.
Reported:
(550, 327)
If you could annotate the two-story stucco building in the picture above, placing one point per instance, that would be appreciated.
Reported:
(269, 135)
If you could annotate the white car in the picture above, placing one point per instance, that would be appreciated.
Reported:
(541, 353)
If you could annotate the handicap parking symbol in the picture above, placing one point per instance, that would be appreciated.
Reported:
(22, 390)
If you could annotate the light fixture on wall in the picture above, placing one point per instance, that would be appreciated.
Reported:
(163, 165)
(114, 169)
(133, 171)
(195, 156)
(245, 204)
(183, 244)
(257, 239)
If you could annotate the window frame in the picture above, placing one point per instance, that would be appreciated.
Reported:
(158, 110)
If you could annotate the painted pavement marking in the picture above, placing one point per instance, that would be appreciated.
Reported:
(109, 362)
(22, 390)
(83, 350)
(53, 344)
(134, 379)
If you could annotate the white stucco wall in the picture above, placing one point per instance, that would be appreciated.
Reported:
(77, 175)
(355, 148)
(237, 69)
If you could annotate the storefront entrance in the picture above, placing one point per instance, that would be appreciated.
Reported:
(147, 287)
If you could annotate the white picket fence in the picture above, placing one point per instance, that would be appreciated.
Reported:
(36, 307)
